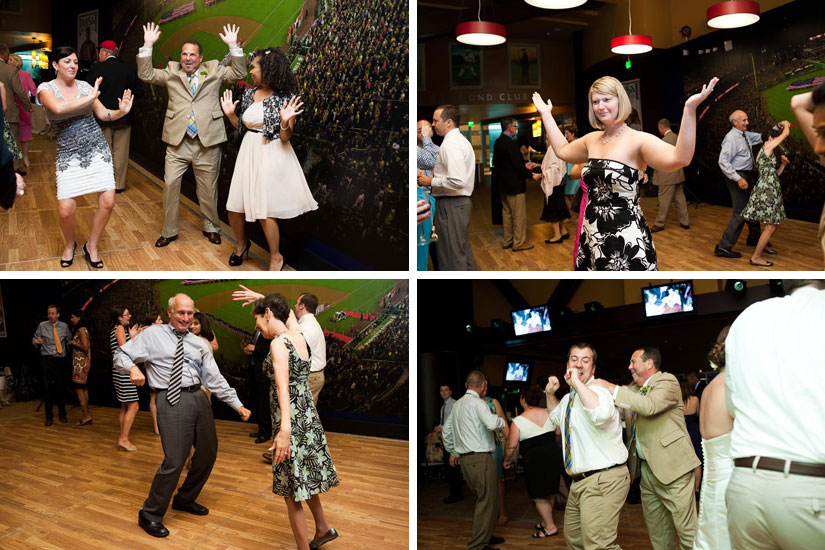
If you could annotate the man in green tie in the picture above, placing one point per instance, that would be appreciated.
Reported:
(594, 454)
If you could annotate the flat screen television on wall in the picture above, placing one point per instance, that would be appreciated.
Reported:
(668, 298)
(531, 320)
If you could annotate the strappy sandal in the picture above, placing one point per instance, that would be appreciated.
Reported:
(544, 534)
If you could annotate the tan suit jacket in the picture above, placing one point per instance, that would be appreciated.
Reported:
(205, 102)
(660, 426)
(10, 77)
(669, 178)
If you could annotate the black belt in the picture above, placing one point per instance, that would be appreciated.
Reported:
(445, 197)
(778, 465)
(192, 388)
(254, 131)
(579, 477)
(474, 453)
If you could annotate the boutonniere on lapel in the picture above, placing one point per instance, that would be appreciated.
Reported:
(203, 73)
(643, 390)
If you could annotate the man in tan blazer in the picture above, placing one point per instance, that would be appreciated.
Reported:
(10, 77)
(659, 437)
(670, 187)
(193, 128)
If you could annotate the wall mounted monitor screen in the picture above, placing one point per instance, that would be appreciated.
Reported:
(531, 320)
(669, 298)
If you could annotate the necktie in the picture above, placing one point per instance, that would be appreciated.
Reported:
(632, 437)
(444, 406)
(750, 150)
(191, 129)
(568, 456)
(57, 344)
(173, 392)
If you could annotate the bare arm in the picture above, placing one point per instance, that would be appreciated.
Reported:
(229, 107)
(803, 109)
(500, 413)
(3, 94)
(289, 112)
(774, 143)
(50, 101)
(120, 335)
(575, 151)
(107, 115)
(576, 171)
(511, 445)
(280, 361)
(82, 340)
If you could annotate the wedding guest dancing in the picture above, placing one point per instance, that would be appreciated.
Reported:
(191, 131)
(52, 337)
(177, 363)
(268, 183)
(84, 160)
(614, 235)
(81, 364)
(302, 467)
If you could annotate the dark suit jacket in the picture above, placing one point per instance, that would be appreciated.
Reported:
(10, 77)
(117, 77)
(509, 172)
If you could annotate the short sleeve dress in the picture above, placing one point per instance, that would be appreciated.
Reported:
(765, 203)
(308, 470)
(84, 160)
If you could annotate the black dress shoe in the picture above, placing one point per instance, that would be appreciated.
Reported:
(154, 528)
(656, 228)
(191, 507)
(332, 534)
(262, 439)
(725, 253)
(683, 226)
(164, 241)
(769, 250)
(63, 419)
(256, 434)
(49, 422)
(212, 237)
(119, 191)
(496, 540)
(565, 236)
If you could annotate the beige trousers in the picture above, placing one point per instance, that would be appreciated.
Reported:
(591, 519)
(514, 219)
(768, 511)
(118, 138)
(316, 384)
(669, 510)
(480, 473)
(676, 195)
(206, 163)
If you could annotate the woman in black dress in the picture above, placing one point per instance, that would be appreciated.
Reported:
(614, 235)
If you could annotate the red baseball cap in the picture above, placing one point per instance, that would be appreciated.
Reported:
(109, 45)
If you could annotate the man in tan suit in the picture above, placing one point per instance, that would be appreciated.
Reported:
(670, 187)
(659, 437)
(193, 128)
(10, 77)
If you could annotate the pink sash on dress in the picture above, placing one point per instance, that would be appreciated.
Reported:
(582, 206)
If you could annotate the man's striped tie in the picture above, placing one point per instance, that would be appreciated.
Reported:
(191, 129)
(173, 391)
(568, 456)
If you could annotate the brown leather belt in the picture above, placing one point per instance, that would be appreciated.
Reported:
(778, 465)
(579, 477)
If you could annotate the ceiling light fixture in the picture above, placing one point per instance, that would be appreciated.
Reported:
(733, 14)
(556, 4)
(480, 33)
(630, 43)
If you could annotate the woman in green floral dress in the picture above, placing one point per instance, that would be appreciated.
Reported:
(302, 468)
(765, 203)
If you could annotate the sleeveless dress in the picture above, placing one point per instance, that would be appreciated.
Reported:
(692, 424)
(541, 457)
(124, 389)
(84, 160)
(498, 453)
(614, 235)
(712, 528)
(308, 470)
(765, 203)
(81, 363)
(268, 181)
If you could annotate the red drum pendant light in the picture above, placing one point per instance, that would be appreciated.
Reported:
(480, 33)
(733, 14)
(630, 43)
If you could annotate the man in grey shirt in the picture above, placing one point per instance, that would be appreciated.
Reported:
(52, 337)
(177, 363)
(453, 474)
(737, 163)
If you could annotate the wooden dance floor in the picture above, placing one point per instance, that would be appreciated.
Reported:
(67, 487)
(447, 526)
(32, 240)
(676, 249)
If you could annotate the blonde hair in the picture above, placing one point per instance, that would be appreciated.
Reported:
(16, 60)
(611, 86)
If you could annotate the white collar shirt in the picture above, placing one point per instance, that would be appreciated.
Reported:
(455, 167)
(314, 335)
(775, 357)
(595, 435)
(470, 426)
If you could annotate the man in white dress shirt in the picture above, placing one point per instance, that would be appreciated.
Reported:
(468, 437)
(452, 185)
(775, 375)
(453, 473)
(305, 308)
(593, 451)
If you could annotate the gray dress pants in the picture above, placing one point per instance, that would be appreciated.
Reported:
(452, 223)
(739, 199)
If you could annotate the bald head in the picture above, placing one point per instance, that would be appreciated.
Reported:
(739, 120)
(475, 381)
(181, 311)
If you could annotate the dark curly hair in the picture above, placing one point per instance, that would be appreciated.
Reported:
(716, 355)
(275, 71)
(60, 53)
(276, 303)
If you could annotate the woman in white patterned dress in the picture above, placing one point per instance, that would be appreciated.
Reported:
(84, 160)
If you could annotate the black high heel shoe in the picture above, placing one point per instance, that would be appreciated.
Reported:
(98, 264)
(68, 263)
(235, 259)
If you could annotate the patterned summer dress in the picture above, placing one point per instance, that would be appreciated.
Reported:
(614, 235)
(309, 469)
(765, 204)
(84, 160)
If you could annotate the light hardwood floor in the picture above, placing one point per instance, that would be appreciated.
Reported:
(67, 487)
(32, 241)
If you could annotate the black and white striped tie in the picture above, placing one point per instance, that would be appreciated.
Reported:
(173, 391)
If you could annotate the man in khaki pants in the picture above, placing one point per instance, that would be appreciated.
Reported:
(305, 307)
(671, 188)
(193, 128)
(593, 452)
(10, 77)
(659, 438)
(468, 437)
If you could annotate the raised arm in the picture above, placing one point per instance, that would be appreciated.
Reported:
(145, 71)
(107, 115)
(575, 151)
(50, 101)
(774, 143)
(289, 112)
(246, 296)
(229, 107)
(280, 362)
(237, 67)
(803, 109)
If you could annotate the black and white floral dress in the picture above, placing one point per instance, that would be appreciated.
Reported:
(84, 160)
(614, 235)
(308, 470)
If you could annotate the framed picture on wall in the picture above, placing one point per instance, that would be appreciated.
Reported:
(87, 28)
(465, 67)
(635, 95)
(420, 66)
(523, 61)
(11, 7)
